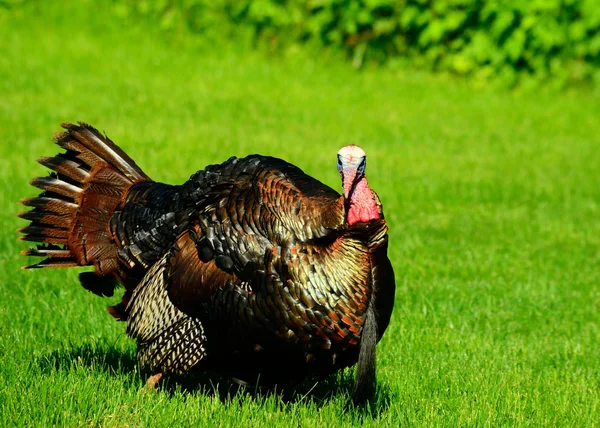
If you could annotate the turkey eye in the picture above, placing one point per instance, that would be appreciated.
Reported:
(361, 167)
(339, 164)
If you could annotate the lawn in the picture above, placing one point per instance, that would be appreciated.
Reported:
(492, 199)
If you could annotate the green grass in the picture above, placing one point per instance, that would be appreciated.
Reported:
(492, 201)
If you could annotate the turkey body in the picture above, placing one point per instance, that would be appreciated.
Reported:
(251, 268)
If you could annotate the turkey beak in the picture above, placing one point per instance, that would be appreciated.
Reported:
(348, 179)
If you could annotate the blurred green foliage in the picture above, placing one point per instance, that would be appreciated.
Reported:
(509, 40)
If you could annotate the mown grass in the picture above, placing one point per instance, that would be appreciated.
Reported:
(492, 201)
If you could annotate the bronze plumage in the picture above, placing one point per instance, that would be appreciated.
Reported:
(251, 268)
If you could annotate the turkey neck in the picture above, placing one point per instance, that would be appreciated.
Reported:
(362, 204)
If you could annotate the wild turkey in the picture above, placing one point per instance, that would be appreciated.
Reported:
(251, 268)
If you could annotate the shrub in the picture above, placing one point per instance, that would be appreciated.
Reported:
(556, 40)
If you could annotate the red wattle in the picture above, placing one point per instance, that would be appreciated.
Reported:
(363, 205)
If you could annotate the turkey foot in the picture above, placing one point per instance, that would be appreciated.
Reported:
(152, 381)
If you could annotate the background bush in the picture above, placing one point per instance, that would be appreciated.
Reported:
(510, 40)
(556, 40)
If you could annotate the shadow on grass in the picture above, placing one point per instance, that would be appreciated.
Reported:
(103, 358)
(122, 362)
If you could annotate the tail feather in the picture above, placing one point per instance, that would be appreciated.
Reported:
(56, 256)
(53, 205)
(55, 219)
(57, 185)
(66, 167)
(71, 217)
(49, 251)
(98, 147)
(45, 232)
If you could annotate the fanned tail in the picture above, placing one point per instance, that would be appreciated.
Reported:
(70, 219)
